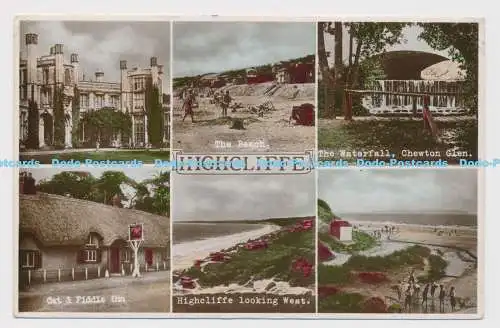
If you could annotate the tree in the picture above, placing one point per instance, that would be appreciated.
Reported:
(339, 64)
(75, 115)
(59, 117)
(33, 123)
(151, 195)
(158, 199)
(154, 111)
(101, 124)
(462, 41)
(371, 38)
(77, 184)
(328, 80)
(109, 185)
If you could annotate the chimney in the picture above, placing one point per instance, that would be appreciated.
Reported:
(74, 58)
(99, 76)
(153, 61)
(27, 184)
(123, 64)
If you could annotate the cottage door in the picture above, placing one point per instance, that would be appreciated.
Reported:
(148, 254)
(115, 260)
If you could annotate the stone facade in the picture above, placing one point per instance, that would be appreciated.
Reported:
(39, 76)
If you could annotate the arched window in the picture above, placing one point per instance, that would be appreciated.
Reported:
(67, 76)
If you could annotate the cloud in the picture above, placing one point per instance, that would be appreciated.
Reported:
(401, 191)
(212, 198)
(208, 47)
(101, 45)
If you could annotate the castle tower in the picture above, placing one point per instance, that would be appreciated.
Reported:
(76, 68)
(125, 86)
(59, 59)
(31, 65)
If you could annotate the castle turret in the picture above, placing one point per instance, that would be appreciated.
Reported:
(31, 64)
(59, 59)
(76, 67)
(99, 76)
(124, 85)
(154, 70)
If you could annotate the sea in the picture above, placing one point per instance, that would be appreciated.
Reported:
(432, 219)
(191, 231)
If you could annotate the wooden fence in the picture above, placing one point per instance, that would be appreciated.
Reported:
(32, 277)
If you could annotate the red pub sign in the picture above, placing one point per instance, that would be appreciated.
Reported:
(136, 232)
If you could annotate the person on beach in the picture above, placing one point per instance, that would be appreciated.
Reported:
(188, 106)
(416, 291)
(408, 299)
(411, 279)
(425, 293)
(226, 101)
(434, 285)
(453, 300)
(442, 295)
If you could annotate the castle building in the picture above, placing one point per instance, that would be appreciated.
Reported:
(41, 75)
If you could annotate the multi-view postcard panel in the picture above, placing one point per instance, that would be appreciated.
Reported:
(94, 90)
(96, 106)
(244, 87)
(408, 91)
(94, 241)
(398, 241)
(244, 249)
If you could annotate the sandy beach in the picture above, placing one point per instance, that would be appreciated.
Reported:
(272, 132)
(457, 245)
(185, 254)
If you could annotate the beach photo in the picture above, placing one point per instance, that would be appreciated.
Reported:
(94, 90)
(93, 241)
(243, 87)
(243, 244)
(398, 241)
(396, 90)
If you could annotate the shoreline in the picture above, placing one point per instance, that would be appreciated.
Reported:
(185, 254)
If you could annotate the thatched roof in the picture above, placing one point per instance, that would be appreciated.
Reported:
(58, 220)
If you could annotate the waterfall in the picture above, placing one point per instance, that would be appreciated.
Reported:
(402, 104)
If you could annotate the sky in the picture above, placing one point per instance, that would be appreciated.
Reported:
(208, 47)
(399, 191)
(410, 42)
(134, 173)
(242, 197)
(101, 45)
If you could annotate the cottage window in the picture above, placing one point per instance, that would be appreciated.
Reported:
(30, 259)
(90, 255)
(93, 241)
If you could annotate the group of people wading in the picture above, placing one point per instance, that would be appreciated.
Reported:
(411, 292)
(222, 100)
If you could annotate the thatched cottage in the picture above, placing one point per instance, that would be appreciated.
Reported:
(62, 233)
